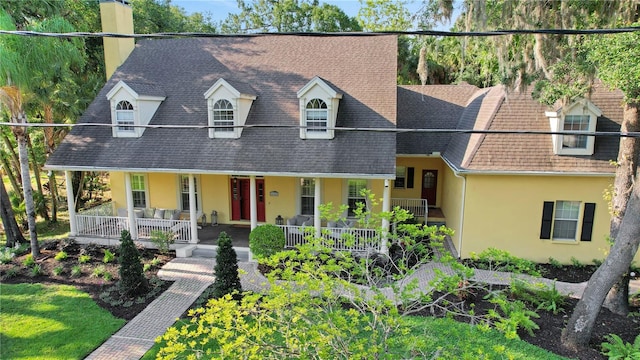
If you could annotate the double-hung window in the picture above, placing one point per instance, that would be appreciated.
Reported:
(223, 116)
(575, 123)
(561, 220)
(316, 116)
(354, 195)
(307, 196)
(184, 191)
(125, 116)
(401, 176)
(139, 190)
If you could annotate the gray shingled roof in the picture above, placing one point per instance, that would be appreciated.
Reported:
(429, 107)
(274, 68)
(529, 153)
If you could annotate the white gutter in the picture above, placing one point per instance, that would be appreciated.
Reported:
(224, 172)
(464, 198)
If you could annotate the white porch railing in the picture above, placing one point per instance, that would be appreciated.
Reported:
(341, 239)
(418, 207)
(112, 226)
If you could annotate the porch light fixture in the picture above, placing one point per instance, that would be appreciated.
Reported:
(279, 220)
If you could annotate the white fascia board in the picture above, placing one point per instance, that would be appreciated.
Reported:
(122, 85)
(221, 82)
(323, 85)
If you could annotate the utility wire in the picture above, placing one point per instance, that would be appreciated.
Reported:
(330, 34)
(630, 134)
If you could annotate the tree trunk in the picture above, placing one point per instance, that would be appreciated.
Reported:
(20, 133)
(11, 228)
(53, 188)
(79, 176)
(15, 160)
(36, 174)
(618, 298)
(580, 325)
(15, 184)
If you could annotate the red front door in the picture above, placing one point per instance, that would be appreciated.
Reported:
(241, 199)
(429, 186)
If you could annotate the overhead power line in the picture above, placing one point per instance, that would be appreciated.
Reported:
(334, 34)
(361, 129)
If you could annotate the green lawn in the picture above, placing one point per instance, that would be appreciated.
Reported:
(441, 338)
(51, 322)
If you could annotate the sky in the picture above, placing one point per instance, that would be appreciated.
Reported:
(220, 8)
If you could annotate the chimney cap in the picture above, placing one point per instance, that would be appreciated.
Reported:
(124, 2)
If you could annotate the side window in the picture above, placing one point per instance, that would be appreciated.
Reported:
(138, 190)
(354, 195)
(124, 116)
(316, 116)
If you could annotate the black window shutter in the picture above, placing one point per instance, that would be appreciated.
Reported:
(587, 221)
(547, 219)
(410, 178)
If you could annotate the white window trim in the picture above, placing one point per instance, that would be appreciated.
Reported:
(578, 222)
(345, 194)
(404, 177)
(198, 184)
(241, 102)
(144, 108)
(318, 89)
(220, 133)
(146, 188)
(299, 195)
(556, 123)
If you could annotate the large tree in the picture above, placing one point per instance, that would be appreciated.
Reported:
(288, 16)
(564, 67)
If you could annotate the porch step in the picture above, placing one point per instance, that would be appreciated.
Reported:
(208, 251)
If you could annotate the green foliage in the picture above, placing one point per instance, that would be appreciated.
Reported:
(6, 255)
(99, 271)
(616, 349)
(597, 262)
(555, 263)
(76, 271)
(500, 260)
(36, 270)
(162, 240)
(540, 295)
(83, 259)
(28, 261)
(266, 240)
(132, 280)
(108, 256)
(226, 269)
(146, 267)
(58, 270)
(155, 261)
(61, 256)
(576, 263)
(511, 317)
(12, 272)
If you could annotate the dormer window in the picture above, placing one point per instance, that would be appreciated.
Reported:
(124, 116)
(318, 109)
(316, 116)
(229, 104)
(580, 116)
(133, 104)
(223, 116)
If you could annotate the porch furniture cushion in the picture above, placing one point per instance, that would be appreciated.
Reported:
(175, 215)
(148, 213)
(139, 213)
(300, 220)
(122, 212)
(348, 223)
(158, 214)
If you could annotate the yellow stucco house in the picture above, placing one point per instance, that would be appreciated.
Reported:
(251, 130)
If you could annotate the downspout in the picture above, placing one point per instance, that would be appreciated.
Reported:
(464, 197)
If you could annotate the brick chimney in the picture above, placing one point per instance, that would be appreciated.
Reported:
(116, 17)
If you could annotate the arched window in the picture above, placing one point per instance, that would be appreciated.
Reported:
(223, 116)
(316, 116)
(124, 116)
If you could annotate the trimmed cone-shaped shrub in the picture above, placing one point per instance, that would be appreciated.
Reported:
(266, 240)
(226, 269)
(132, 280)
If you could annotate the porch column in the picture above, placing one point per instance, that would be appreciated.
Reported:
(133, 226)
(193, 216)
(317, 198)
(386, 207)
(253, 202)
(71, 204)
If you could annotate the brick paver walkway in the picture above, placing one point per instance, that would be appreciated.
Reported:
(193, 275)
